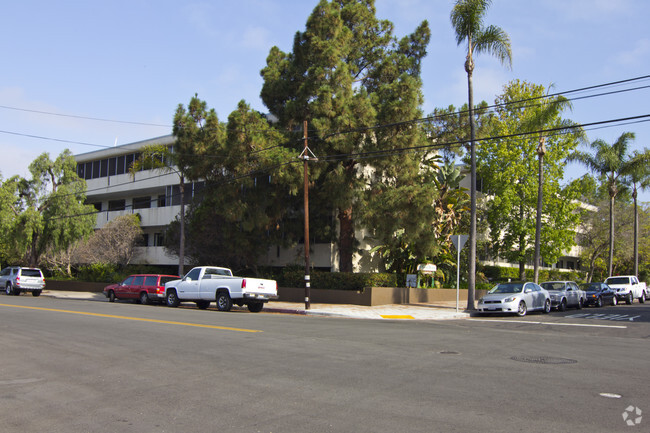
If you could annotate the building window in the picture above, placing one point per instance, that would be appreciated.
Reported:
(115, 205)
(129, 161)
(142, 202)
(162, 200)
(81, 170)
(103, 172)
(96, 165)
(144, 240)
(112, 166)
(98, 206)
(158, 239)
(121, 164)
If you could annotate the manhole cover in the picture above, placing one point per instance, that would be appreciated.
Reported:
(449, 352)
(543, 360)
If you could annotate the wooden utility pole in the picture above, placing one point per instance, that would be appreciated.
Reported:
(305, 157)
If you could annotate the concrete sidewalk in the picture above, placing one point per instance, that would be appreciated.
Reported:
(441, 311)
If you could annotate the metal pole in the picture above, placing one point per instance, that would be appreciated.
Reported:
(458, 275)
(306, 187)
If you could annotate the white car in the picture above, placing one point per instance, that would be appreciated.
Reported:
(515, 297)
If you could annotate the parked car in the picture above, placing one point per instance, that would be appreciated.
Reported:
(144, 288)
(599, 294)
(515, 297)
(565, 294)
(16, 279)
(627, 288)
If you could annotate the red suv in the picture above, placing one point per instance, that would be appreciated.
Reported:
(144, 288)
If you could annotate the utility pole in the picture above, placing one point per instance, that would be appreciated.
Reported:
(305, 157)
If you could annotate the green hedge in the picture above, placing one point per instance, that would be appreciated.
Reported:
(499, 273)
(338, 280)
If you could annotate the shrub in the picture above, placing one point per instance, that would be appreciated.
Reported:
(99, 273)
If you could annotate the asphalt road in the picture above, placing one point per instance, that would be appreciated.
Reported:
(78, 366)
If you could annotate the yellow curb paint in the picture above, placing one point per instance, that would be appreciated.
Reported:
(139, 319)
(396, 316)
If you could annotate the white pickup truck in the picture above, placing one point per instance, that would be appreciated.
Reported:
(206, 284)
(627, 287)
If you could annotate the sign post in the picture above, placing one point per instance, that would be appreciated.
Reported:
(459, 243)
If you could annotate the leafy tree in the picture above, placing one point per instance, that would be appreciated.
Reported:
(509, 170)
(162, 158)
(346, 74)
(450, 127)
(251, 180)
(467, 19)
(614, 162)
(640, 179)
(46, 212)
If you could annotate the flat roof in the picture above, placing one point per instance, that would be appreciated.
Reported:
(123, 149)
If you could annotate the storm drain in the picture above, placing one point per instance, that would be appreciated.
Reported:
(543, 360)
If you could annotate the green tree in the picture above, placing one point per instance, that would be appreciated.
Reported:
(346, 74)
(163, 158)
(639, 176)
(46, 212)
(614, 163)
(509, 172)
(467, 19)
(251, 182)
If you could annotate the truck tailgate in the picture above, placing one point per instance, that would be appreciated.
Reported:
(258, 286)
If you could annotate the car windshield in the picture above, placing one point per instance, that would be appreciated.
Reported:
(508, 288)
(618, 280)
(553, 286)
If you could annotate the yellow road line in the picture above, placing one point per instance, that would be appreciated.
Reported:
(111, 316)
(397, 316)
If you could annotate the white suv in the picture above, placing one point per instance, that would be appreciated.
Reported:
(16, 279)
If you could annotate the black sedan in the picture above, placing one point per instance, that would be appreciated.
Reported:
(599, 294)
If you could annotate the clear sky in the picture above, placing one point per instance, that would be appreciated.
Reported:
(136, 60)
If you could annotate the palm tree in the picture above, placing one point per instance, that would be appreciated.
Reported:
(467, 20)
(614, 163)
(160, 157)
(640, 178)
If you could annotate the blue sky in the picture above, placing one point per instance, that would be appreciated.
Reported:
(136, 60)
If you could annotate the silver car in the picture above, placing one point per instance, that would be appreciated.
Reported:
(515, 297)
(565, 294)
(15, 280)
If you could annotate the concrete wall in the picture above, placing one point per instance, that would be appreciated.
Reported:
(374, 295)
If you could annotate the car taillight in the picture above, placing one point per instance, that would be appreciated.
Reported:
(160, 289)
(243, 283)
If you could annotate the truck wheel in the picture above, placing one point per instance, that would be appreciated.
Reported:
(172, 298)
(629, 299)
(562, 306)
(255, 307)
(580, 304)
(111, 296)
(144, 298)
(9, 290)
(202, 305)
(642, 298)
(614, 300)
(36, 292)
(17, 292)
(224, 303)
